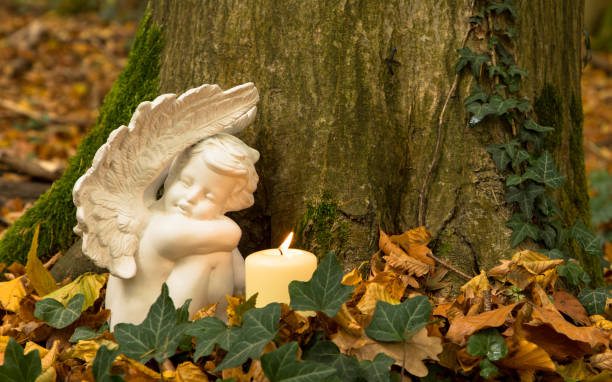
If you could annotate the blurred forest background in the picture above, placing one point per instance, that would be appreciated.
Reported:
(59, 58)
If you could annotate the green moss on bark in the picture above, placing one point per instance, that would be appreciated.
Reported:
(54, 210)
(322, 228)
(549, 108)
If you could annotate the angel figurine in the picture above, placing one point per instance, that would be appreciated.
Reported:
(146, 235)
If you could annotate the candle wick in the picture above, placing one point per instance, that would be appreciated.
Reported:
(281, 251)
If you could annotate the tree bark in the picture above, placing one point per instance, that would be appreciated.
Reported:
(347, 128)
(352, 94)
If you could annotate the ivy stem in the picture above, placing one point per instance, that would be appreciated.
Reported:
(161, 371)
(434, 160)
(452, 268)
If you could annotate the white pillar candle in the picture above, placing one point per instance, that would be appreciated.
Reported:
(270, 271)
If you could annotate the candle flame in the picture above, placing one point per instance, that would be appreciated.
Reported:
(287, 242)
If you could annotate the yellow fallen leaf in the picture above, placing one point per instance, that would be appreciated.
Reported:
(419, 348)
(135, 370)
(476, 285)
(3, 342)
(87, 284)
(374, 292)
(207, 311)
(11, 293)
(415, 236)
(86, 350)
(352, 278)
(188, 372)
(37, 274)
(48, 375)
(576, 371)
(345, 319)
(388, 248)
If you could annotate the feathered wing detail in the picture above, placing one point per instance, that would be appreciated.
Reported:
(113, 196)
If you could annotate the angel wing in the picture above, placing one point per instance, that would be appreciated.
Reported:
(113, 196)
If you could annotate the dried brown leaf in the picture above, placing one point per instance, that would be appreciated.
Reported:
(419, 348)
(526, 355)
(569, 305)
(557, 345)
(415, 236)
(387, 247)
(602, 361)
(463, 327)
(405, 263)
(548, 315)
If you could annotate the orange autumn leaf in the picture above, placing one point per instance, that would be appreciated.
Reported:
(557, 345)
(388, 248)
(466, 360)
(421, 252)
(526, 355)
(415, 236)
(207, 311)
(548, 315)
(352, 278)
(463, 327)
(569, 305)
(347, 320)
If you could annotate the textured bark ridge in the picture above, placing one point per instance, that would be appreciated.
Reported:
(347, 130)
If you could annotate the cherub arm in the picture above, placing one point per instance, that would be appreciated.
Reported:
(176, 236)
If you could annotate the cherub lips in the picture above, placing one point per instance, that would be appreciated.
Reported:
(184, 208)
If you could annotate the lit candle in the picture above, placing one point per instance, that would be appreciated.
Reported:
(270, 271)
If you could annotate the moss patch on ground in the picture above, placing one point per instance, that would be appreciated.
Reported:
(55, 211)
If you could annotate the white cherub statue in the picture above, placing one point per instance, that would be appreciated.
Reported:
(182, 237)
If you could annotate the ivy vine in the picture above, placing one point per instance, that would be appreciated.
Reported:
(529, 170)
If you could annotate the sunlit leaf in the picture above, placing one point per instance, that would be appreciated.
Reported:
(11, 293)
(40, 278)
(88, 284)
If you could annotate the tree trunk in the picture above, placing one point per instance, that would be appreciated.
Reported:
(348, 123)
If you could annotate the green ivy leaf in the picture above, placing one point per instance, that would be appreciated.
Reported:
(505, 6)
(282, 365)
(500, 156)
(477, 94)
(521, 230)
(530, 124)
(324, 292)
(327, 353)
(55, 314)
(487, 343)
(525, 197)
(497, 106)
(573, 273)
(514, 70)
(210, 331)
(557, 254)
(544, 171)
(534, 138)
(377, 370)
(396, 323)
(476, 60)
(476, 19)
(513, 180)
(588, 241)
(548, 234)
(18, 367)
(521, 156)
(487, 368)
(87, 333)
(102, 364)
(523, 105)
(157, 336)
(547, 205)
(496, 70)
(259, 327)
(594, 300)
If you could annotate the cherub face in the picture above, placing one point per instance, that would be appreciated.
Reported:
(199, 192)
